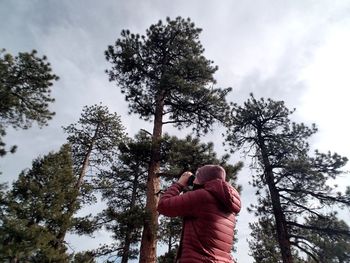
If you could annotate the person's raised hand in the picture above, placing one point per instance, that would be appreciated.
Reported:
(184, 178)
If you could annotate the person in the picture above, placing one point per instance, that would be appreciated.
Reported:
(209, 215)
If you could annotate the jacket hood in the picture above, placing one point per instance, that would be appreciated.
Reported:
(210, 172)
(226, 195)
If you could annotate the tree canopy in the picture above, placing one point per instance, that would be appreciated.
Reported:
(293, 184)
(34, 210)
(25, 92)
(167, 64)
(166, 79)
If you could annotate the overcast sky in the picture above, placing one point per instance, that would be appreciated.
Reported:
(297, 51)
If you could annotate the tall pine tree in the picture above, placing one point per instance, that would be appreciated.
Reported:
(167, 80)
(94, 140)
(297, 183)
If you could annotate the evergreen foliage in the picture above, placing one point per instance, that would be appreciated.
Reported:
(123, 187)
(34, 210)
(166, 79)
(334, 249)
(170, 232)
(330, 247)
(83, 257)
(167, 66)
(188, 154)
(292, 184)
(25, 92)
(168, 257)
(263, 244)
(94, 140)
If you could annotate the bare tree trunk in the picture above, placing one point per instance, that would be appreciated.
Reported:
(148, 250)
(281, 225)
(84, 167)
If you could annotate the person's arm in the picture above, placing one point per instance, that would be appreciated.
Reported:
(173, 204)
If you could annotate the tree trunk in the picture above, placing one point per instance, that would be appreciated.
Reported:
(169, 244)
(127, 239)
(126, 248)
(148, 250)
(70, 209)
(281, 226)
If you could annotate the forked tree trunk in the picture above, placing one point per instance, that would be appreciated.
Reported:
(148, 250)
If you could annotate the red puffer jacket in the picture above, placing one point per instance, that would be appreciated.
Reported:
(209, 220)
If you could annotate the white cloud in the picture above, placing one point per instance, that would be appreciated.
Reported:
(326, 102)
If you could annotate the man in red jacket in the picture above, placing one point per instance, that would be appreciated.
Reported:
(209, 215)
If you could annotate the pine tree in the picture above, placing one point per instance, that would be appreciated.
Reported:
(94, 140)
(123, 187)
(296, 181)
(166, 79)
(34, 210)
(25, 92)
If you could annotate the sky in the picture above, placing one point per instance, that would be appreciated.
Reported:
(296, 51)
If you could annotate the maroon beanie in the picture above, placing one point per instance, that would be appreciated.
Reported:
(210, 172)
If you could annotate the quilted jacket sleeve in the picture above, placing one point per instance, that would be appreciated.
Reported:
(173, 204)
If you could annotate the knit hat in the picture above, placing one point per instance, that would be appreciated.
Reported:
(210, 172)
